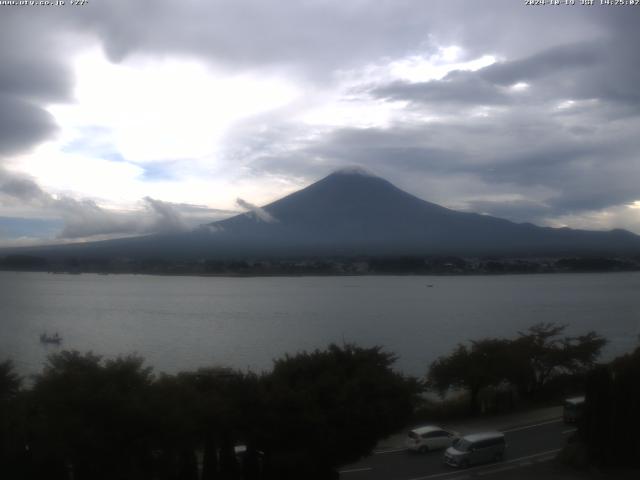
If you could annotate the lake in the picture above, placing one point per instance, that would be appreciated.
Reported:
(181, 323)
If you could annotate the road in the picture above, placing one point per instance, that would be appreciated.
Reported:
(525, 445)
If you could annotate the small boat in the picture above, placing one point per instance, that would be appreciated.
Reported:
(55, 339)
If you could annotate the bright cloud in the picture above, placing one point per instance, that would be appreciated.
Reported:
(171, 109)
(419, 68)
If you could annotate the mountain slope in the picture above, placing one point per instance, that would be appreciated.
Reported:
(354, 213)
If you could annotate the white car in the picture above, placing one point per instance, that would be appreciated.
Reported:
(423, 439)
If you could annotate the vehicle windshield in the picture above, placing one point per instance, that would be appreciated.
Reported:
(462, 445)
(413, 435)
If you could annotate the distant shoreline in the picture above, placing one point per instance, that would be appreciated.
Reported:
(329, 267)
(324, 275)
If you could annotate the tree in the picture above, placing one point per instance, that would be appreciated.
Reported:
(528, 362)
(540, 354)
(10, 381)
(483, 364)
(327, 408)
(212, 410)
(90, 418)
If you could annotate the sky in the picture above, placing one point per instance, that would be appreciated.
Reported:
(125, 118)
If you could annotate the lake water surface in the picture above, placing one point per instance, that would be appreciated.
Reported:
(186, 322)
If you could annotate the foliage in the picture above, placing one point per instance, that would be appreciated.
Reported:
(610, 421)
(528, 363)
(90, 416)
(540, 354)
(10, 381)
(471, 368)
(90, 419)
(330, 407)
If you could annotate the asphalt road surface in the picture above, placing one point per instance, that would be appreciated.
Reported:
(525, 445)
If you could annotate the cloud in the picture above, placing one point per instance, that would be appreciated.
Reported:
(22, 124)
(166, 217)
(558, 60)
(317, 36)
(14, 187)
(556, 156)
(575, 71)
(257, 212)
(469, 139)
(456, 88)
(85, 219)
(30, 76)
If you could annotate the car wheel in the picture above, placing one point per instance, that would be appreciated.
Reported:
(464, 464)
(423, 449)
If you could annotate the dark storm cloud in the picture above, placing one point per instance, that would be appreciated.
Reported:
(456, 88)
(19, 187)
(33, 64)
(579, 71)
(405, 149)
(554, 61)
(32, 73)
(312, 35)
(322, 35)
(22, 124)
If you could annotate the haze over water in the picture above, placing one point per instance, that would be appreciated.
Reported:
(179, 323)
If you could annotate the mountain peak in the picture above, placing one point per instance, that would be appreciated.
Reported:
(355, 170)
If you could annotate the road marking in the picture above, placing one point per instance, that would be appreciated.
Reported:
(517, 429)
(548, 452)
(354, 470)
(443, 475)
(514, 460)
(382, 452)
(496, 470)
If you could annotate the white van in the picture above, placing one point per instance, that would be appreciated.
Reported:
(423, 439)
(476, 448)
